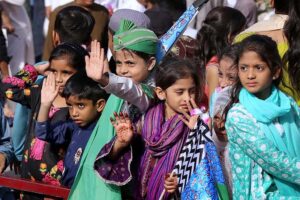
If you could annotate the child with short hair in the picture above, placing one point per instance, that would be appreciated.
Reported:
(130, 92)
(263, 126)
(173, 140)
(72, 24)
(39, 156)
(86, 101)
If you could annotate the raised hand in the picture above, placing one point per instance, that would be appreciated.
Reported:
(194, 112)
(123, 127)
(95, 64)
(49, 90)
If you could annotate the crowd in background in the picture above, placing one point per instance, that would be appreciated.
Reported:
(98, 97)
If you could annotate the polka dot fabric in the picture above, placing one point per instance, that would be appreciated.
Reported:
(255, 159)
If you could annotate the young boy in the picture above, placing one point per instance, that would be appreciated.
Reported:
(86, 100)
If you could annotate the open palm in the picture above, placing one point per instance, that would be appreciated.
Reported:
(49, 90)
(123, 127)
(94, 64)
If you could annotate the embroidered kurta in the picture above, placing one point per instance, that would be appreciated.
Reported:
(70, 133)
(20, 88)
(255, 159)
(169, 146)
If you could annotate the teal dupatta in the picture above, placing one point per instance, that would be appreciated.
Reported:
(87, 184)
(279, 119)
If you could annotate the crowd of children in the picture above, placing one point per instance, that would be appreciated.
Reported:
(137, 127)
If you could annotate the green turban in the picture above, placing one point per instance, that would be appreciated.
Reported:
(129, 36)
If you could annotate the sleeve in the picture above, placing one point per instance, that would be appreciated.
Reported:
(243, 131)
(3, 49)
(18, 87)
(16, 2)
(116, 172)
(21, 116)
(5, 140)
(126, 89)
(58, 133)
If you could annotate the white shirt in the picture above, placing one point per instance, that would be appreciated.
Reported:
(56, 3)
(231, 3)
(131, 4)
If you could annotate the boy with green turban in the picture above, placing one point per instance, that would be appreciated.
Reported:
(131, 91)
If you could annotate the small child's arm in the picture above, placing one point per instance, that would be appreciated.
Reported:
(124, 132)
(43, 130)
(17, 87)
(48, 94)
(117, 154)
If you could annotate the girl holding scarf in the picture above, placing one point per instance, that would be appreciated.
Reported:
(263, 126)
(178, 150)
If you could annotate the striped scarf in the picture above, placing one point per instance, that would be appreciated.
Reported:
(164, 141)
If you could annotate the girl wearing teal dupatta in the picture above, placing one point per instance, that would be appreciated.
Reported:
(135, 59)
(263, 127)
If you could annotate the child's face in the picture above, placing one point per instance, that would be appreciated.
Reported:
(84, 111)
(130, 65)
(227, 72)
(178, 95)
(219, 127)
(62, 72)
(255, 75)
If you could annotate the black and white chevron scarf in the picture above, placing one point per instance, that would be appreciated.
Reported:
(191, 153)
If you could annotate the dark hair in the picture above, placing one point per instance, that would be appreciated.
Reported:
(74, 24)
(219, 24)
(292, 33)
(281, 6)
(72, 52)
(160, 21)
(230, 52)
(83, 87)
(172, 69)
(266, 49)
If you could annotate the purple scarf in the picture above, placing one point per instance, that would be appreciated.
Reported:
(164, 140)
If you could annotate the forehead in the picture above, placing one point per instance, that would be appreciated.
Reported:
(226, 64)
(60, 64)
(250, 57)
(184, 83)
(126, 55)
(73, 99)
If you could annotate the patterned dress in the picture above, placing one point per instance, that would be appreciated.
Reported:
(255, 159)
(21, 88)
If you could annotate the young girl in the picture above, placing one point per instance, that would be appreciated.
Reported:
(227, 73)
(40, 158)
(218, 30)
(173, 141)
(263, 126)
(218, 101)
(135, 50)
